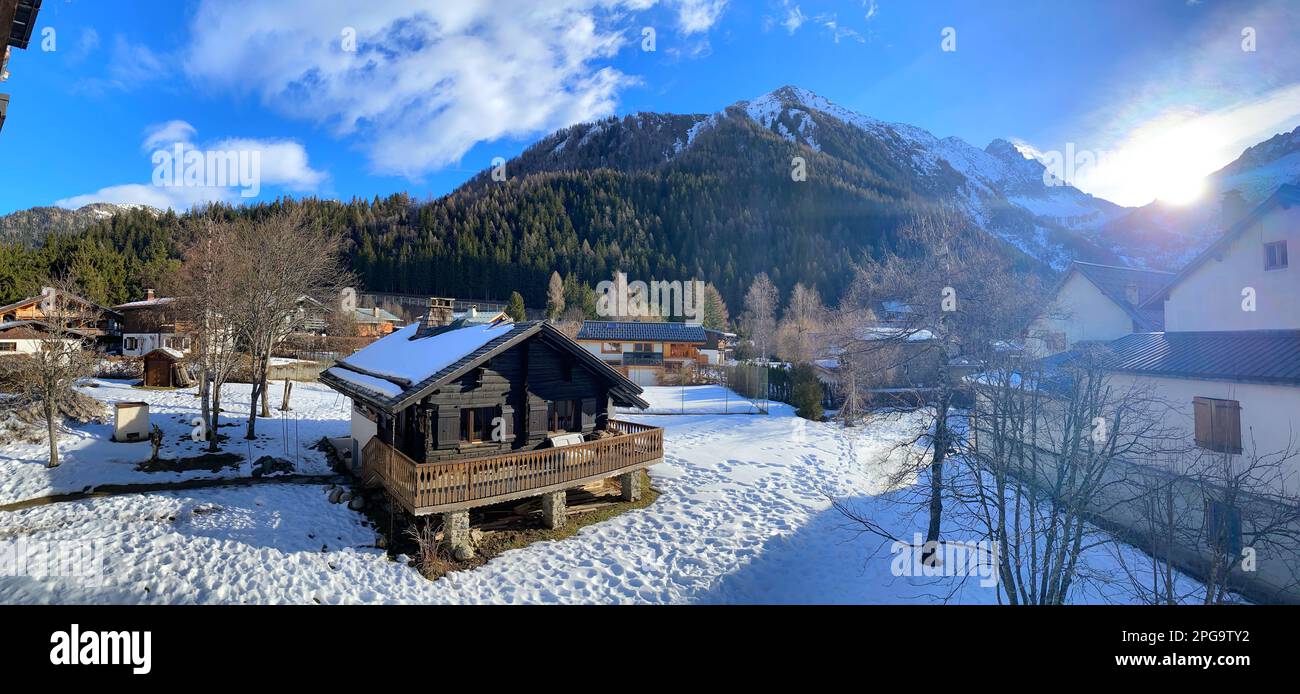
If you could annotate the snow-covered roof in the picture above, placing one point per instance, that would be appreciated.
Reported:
(398, 369)
(885, 332)
(404, 357)
(173, 353)
(40, 326)
(375, 315)
(480, 316)
(160, 301)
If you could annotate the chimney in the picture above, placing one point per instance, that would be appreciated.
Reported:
(1234, 208)
(437, 315)
(472, 313)
(148, 295)
(1131, 293)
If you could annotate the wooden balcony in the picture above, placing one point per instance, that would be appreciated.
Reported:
(424, 488)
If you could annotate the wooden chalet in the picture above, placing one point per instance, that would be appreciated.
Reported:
(88, 319)
(645, 351)
(453, 413)
(31, 336)
(153, 323)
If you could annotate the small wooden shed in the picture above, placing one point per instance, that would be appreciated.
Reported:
(164, 368)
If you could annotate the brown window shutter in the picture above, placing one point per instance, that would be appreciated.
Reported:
(537, 424)
(1204, 413)
(1227, 423)
(448, 426)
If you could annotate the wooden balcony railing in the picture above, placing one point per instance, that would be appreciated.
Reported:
(423, 488)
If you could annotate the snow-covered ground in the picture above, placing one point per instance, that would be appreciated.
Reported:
(744, 516)
(91, 458)
(694, 400)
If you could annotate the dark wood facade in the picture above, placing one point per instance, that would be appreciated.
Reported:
(481, 429)
(535, 389)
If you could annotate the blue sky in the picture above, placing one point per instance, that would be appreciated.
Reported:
(435, 90)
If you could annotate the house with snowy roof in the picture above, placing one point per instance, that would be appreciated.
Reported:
(450, 414)
(645, 351)
(1095, 303)
(153, 323)
(37, 313)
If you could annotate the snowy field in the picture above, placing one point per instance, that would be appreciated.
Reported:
(694, 400)
(90, 457)
(744, 517)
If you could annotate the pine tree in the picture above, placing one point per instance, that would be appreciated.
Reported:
(515, 309)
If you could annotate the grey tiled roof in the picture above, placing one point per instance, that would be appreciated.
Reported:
(1113, 281)
(1259, 356)
(631, 331)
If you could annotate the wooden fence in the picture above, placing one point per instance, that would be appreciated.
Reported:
(423, 488)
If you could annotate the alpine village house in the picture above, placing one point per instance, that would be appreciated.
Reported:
(452, 413)
(1219, 343)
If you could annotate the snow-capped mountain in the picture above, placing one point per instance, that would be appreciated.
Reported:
(999, 187)
(998, 172)
(32, 225)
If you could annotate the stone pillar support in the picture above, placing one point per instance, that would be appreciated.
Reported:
(553, 515)
(631, 484)
(455, 534)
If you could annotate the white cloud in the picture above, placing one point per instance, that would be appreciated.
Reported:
(280, 163)
(85, 46)
(167, 134)
(1194, 111)
(429, 79)
(794, 18)
(133, 64)
(161, 197)
(871, 9)
(696, 16)
(284, 162)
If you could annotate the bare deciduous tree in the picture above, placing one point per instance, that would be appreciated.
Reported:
(759, 317)
(958, 297)
(1049, 450)
(207, 290)
(64, 355)
(282, 258)
(801, 325)
(555, 296)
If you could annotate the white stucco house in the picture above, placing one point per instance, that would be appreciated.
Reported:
(1228, 359)
(1098, 303)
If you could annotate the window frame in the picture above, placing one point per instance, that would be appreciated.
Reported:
(476, 421)
(1281, 256)
(554, 416)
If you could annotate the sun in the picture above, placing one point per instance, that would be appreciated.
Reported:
(1180, 190)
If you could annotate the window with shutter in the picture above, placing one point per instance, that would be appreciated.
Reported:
(448, 427)
(588, 414)
(1218, 424)
(536, 417)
